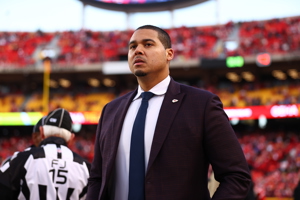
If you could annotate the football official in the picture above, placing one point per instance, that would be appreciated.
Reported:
(50, 171)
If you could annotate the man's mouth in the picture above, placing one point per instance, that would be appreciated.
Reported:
(139, 61)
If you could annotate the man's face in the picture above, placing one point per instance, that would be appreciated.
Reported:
(147, 55)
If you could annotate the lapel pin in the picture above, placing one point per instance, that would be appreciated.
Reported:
(174, 100)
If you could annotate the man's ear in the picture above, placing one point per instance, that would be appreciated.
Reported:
(42, 132)
(170, 54)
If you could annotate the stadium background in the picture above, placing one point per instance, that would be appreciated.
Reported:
(253, 66)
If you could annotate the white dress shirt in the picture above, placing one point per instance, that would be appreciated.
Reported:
(122, 159)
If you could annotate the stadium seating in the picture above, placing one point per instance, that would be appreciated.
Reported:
(274, 160)
(276, 36)
(17, 48)
(238, 96)
(11, 103)
(77, 103)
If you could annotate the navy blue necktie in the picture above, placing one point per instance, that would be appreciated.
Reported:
(137, 152)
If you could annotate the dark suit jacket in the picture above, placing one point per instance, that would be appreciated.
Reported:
(190, 134)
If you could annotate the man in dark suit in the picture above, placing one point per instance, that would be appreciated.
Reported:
(186, 129)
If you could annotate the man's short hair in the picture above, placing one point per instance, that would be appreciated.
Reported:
(163, 36)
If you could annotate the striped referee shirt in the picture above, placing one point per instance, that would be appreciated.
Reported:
(49, 172)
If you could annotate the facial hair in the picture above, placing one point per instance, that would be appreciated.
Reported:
(140, 73)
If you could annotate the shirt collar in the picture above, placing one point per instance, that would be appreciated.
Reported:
(53, 140)
(158, 89)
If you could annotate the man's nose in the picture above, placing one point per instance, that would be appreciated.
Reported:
(139, 50)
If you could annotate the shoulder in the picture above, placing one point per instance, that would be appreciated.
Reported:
(122, 97)
(194, 96)
(6, 160)
(120, 100)
(77, 158)
(35, 152)
(19, 157)
(176, 87)
(193, 92)
(15, 162)
(81, 161)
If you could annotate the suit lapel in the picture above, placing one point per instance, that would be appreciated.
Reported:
(118, 121)
(169, 108)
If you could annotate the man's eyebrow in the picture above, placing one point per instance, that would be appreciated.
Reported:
(144, 40)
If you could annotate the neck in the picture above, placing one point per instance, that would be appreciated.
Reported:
(148, 82)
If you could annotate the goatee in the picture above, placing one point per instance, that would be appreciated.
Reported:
(140, 73)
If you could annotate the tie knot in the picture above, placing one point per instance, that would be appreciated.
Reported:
(147, 95)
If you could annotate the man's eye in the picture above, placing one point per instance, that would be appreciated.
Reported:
(132, 46)
(148, 45)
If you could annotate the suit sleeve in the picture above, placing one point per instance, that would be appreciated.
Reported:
(225, 154)
(95, 179)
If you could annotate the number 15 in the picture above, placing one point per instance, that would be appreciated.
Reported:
(61, 175)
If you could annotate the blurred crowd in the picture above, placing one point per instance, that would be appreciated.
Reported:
(258, 93)
(276, 36)
(274, 160)
(17, 48)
